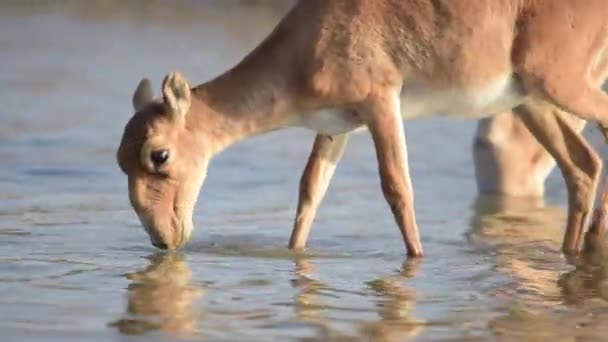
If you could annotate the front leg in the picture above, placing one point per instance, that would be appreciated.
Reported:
(325, 155)
(383, 118)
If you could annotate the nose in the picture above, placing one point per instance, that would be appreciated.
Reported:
(160, 245)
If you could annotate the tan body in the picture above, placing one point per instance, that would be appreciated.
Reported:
(337, 66)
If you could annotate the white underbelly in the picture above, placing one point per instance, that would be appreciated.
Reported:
(501, 94)
(332, 121)
(418, 101)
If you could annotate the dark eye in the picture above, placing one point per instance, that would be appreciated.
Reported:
(159, 157)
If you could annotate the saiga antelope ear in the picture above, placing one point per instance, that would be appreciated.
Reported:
(176, 94)
(142, 95)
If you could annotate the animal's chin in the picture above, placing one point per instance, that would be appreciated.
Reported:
(181, 236)
(168, 236)
(177, 241)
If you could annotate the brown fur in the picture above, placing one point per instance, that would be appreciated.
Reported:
(355, 55)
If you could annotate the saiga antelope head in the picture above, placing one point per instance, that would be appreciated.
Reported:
(165, 162)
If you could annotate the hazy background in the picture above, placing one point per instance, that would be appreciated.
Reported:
(75, 263)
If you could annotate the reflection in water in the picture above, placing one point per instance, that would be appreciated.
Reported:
(394, 303)
(308, 303)
(589, 279)
(524, 237)
(161, 297)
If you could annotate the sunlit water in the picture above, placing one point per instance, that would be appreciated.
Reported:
(76, 265)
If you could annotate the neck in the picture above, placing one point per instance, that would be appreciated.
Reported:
(254, 97)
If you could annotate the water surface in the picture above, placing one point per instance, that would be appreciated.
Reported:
(76, 265)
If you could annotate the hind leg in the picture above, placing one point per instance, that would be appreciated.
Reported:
(326, 153)
(573, 92)
(579, 163)
(564, 63)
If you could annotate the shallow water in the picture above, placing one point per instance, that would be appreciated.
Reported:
(76, 265)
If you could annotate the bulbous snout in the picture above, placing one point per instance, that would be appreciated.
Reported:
(170, 233)
(167, 234)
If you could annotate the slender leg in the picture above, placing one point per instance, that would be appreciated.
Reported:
(325, 155)
(509, 160)
(579, 163)
(383, 118)
(597, 228)
(569, 81)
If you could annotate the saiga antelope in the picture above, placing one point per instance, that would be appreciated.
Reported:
(337, 66)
